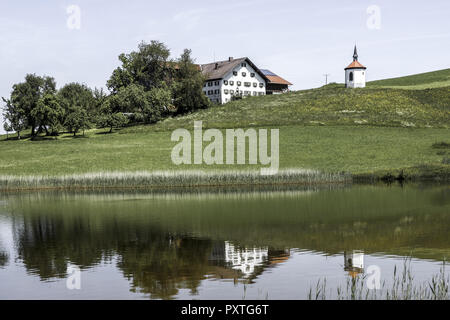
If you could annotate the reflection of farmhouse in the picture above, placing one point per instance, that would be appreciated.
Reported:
(226, 80)
(245, 259)
(354, 262)
(246, 262)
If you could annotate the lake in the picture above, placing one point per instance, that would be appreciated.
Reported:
(219, 244)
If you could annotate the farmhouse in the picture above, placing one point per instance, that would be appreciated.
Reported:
(233, 78)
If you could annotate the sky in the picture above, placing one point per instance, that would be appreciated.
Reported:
(80, 40)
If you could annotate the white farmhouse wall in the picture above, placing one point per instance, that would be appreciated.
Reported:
(221, 91)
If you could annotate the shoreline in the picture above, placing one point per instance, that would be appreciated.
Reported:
(178, 180)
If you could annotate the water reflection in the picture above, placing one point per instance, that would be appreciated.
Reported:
(163, 244)
(354, 262)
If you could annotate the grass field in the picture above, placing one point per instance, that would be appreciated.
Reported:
(426, 80)
(354, 149)
(332, 129)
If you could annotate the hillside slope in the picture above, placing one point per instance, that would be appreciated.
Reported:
(435, 79)
(329, 105)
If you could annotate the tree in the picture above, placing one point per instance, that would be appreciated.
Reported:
(159, 100)
(79, 103)
(77, 119)
(188, 89)
(151, 104)
(26, 95)
(15, 118)
(147, 67)
(48, 114)
(109, 116)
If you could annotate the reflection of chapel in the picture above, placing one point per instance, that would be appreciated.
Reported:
(354, 262)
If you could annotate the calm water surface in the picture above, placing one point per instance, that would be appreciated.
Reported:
(217, 245)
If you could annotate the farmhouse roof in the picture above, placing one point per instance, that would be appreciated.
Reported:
(219, 69)
(273, 78)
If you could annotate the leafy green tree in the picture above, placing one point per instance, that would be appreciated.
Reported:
(159, 100)
(188, 89)
(26, 95)
(110, 116)
(130, 99)
(48, 114)
(15, 118)
(77, 119)
(147, 67)
(79, 103)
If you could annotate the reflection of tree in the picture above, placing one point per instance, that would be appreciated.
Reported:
(47, 243)
(155, 262)
(160, 266)
(3, 259)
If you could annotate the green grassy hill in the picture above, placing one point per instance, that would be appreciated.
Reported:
(329, 105)
(361, 131)
(426, 80)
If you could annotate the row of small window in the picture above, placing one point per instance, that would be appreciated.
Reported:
(226, 91)
(231, 83)
(244, 74)
(246, 84)
(211, 83)
(245, 93)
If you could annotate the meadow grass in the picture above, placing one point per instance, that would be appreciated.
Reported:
(403, 287)
(352, 149)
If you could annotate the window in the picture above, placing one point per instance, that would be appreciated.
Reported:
(350, 76)
(225, 91)
(204, 85)
(209, 84)
(246, 93)
(225, 82)
(247, 84)
(217, 83)
(244, 74)
(255, 85)
(216, 91)
(261, 85)
(232, 91)
(255, 93)
(231, 83)
(239, 83)
(234, 73)
(252, 75)
(243, 65)
(205, 92)
(363, 73)
(210, 92)
(261, 93)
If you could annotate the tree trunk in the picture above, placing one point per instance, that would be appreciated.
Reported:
(110, 130)
(18, 135)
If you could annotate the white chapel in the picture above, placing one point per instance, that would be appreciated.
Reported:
(355, 73)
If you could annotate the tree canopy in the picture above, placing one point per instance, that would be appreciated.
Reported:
(145, 88)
